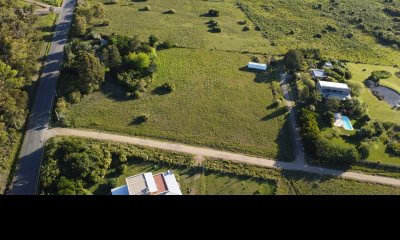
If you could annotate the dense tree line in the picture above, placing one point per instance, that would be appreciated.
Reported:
(72, 165)
(19, 48)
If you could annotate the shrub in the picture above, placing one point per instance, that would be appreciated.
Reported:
(112, 183)
(123, 168)
(170, 11)
(246, 28)
(146, 8)
(394, 147)
(169, 87)
(216, 29)
(335, 153)
(143, 118)
(136, 94)
(242, 22)
(258, 28)
(111, 2)
(213, 13)
(378, 75)
(363, 150)
(318, 35)
(74, 97)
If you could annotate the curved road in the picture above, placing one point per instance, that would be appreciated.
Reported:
(207, 152)
(27, 171)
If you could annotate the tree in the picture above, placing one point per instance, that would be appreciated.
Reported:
(90, 71)
(98, 10)
(153, 40)
(111, 57)
(49, 173)
(79, 27)
(294, 60)
(138, 61)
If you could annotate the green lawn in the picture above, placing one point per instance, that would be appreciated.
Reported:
(46, 25)
(379, 110)
(197, 183)
(56, 3)
(187, 27)
(215, 103)
(294, 23)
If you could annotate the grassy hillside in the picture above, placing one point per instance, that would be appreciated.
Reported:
(297, 23)
(187, 27)
(216, 103)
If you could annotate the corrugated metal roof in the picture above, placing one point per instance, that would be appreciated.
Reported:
(325, 84)
(259, 66)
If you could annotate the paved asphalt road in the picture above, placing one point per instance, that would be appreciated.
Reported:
(208, 152)
(27, 171)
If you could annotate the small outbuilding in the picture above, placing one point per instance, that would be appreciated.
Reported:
(258, 66)
(328, 65)
(318, 74)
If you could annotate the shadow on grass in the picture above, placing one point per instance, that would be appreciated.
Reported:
(102, 189)
(114, 91)
(47, 29)
(160, 91)
(286, 141)
(279, 112)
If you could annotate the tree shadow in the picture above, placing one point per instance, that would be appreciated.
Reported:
(260, 76)
(286, 141)
(279, 112)
(102, 189)
(114, 91)
(48, 29)
(160, 91)
(137, 121)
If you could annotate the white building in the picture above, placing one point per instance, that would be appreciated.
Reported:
(334, 90)
(149, 184)
(258, 66)
(318, 73)
(328, 65)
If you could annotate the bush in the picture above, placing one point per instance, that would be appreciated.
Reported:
(146, 8)
(123, 168)
(258, 28)
(169, 87)
(170, 11)
(74, 97)
(143, 118)
(111, 2)
(334, 153)
(136, 94)
(363, 150)
(242, 22)
(246, 28)
(105, 23)
(213, 13)
(378, 75)
(394, 147)
(216, 29)
(112, 183)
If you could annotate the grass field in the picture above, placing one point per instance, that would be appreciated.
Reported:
(216, 103)
(294, 23)
(46, 25)
(197, 183)
(379, 110)
(308, 184)
(187, 27)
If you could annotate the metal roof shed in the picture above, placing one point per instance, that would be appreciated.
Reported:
(258, 66)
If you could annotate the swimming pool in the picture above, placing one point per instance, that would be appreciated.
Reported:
(347, 124)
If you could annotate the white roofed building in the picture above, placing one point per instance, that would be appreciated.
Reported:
(149, 184)
(318, 74)
(258, 66)
(334, 90)
(328, 65)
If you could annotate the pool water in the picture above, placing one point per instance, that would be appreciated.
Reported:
(347, 124)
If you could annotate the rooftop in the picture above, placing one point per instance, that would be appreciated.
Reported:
(318, 73)
(149, 184)
(325, 84)
(259, 66)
